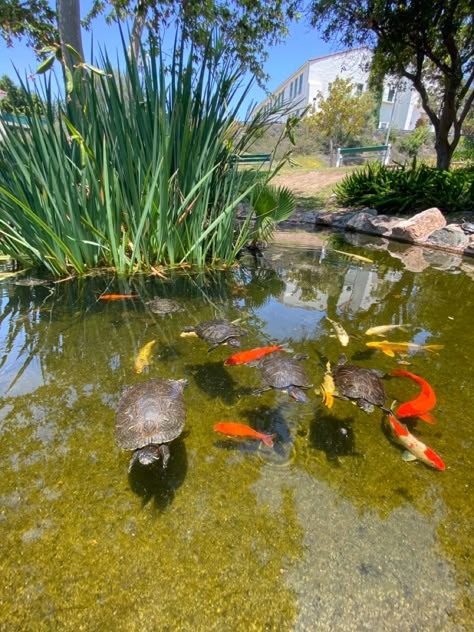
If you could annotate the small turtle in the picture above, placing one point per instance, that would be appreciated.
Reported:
(218, 332)
(468, 227)
(360, 385)
(283, 373)
(150, 415)
(164, 305)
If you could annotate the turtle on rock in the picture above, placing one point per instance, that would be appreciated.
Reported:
(284, 373)
(164, 305)
(358, 384)
(149, 416)
(217, 332)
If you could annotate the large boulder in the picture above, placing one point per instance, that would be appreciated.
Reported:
(373, 224)
(451, 237)
(420, 226)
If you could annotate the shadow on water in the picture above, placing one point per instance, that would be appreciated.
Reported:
(333, 436)
(213, 379)
(152, 483)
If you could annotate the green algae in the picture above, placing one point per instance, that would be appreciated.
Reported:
(214, 542)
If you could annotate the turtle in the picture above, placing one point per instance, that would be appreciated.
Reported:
(284, 373)
(164, 305)
(360, 385)
(468, 227)
(149, 416)
(218, 332)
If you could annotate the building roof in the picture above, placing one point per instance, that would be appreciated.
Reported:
(341, 52)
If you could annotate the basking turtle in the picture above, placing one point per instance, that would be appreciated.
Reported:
(148, 417)
(358, 384)
(283, 373)
(164, 305)
(218, 332)
(468, 227)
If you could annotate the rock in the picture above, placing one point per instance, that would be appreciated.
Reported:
(442, 260)
(374, 225)
(411, 257)
(451, 236)
(418, 227)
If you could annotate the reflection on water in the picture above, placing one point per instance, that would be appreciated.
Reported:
(331, 520)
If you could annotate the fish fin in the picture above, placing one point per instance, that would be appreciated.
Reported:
(389, 352)
(407, 456)
(268, 439)
(428, 418)
(434, 347)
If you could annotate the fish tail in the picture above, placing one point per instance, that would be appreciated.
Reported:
(434, 459)
(428, 418)
(268, 439)
(389, 352)
(230, 362)
(434, 347)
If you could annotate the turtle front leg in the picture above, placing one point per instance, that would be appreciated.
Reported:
(165, 454)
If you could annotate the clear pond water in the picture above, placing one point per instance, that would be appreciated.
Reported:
(329, 530)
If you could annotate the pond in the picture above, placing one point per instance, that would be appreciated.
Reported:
(328, 530)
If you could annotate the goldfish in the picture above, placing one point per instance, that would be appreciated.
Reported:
(254, 354)
(328, 388)
(341, 333)
(389, 348)
(116, 297)
(142, 360)
(380, 330)
(353, 256)
(241, 430)
(421, 405)
(415, 449)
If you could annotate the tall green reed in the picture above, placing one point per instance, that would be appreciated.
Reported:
(136, 169)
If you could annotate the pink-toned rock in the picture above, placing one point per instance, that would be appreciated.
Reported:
(373, 224)
(411, 257)
(419, 226)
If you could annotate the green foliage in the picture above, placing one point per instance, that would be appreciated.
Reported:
(35, 20)
(413, 142)
(138, 172)
(16, 100)
(342, 115)
(408, 190)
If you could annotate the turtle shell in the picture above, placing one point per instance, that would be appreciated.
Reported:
(218, 331)
(359, 384)
(281, 372)
(152, 412)
(164, 305)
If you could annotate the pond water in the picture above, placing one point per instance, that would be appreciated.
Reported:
(329, 530)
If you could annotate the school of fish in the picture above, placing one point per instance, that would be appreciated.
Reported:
(418, 407)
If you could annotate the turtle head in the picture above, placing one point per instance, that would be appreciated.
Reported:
(146, 455)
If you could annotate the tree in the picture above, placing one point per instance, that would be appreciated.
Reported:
(248, 28)
(16, 99)
(429, 43)
(342, 115)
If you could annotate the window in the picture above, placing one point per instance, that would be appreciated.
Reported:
(383, 125)
(291, 90)
(300, 86)
(359, 89)
(391, 95)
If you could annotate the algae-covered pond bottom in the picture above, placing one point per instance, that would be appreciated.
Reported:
(328, 530)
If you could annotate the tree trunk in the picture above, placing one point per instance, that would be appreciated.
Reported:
(331, 153)
(69, 25)
(137, 29)
(444, 152)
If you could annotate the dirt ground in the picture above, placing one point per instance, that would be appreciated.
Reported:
(310, 182)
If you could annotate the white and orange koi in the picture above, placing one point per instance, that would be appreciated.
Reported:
(415, 449)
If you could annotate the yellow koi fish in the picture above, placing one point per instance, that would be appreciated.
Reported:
(382, 329)
(390, 347)
(353, 256)
(143, 360)
(328, 388)
(341, 333)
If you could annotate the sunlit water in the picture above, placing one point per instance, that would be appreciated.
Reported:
(329, 530)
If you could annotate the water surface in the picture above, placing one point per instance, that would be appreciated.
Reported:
(330, 530)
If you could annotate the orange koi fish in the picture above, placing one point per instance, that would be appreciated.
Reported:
(415, 449)
(116, 297)
(241, 430)
(421, 405)
(254, 354)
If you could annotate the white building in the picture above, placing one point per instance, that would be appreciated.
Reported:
(398, 110)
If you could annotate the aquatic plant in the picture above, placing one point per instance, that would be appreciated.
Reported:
(137, 169)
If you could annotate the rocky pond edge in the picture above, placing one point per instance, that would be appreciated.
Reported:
(428, 228)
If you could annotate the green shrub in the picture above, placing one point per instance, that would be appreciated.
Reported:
(136, 170)
(408, 190)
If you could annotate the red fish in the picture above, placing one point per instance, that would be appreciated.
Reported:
(419, 406)
(241, 430)
(254, 354)
(415, 449)
(116, 297)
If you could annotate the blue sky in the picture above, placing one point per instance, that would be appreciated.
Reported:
(302, 44)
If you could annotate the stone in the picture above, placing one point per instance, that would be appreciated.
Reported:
(451, 236)
(411, 257)
(420, 226)
(374, 225)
